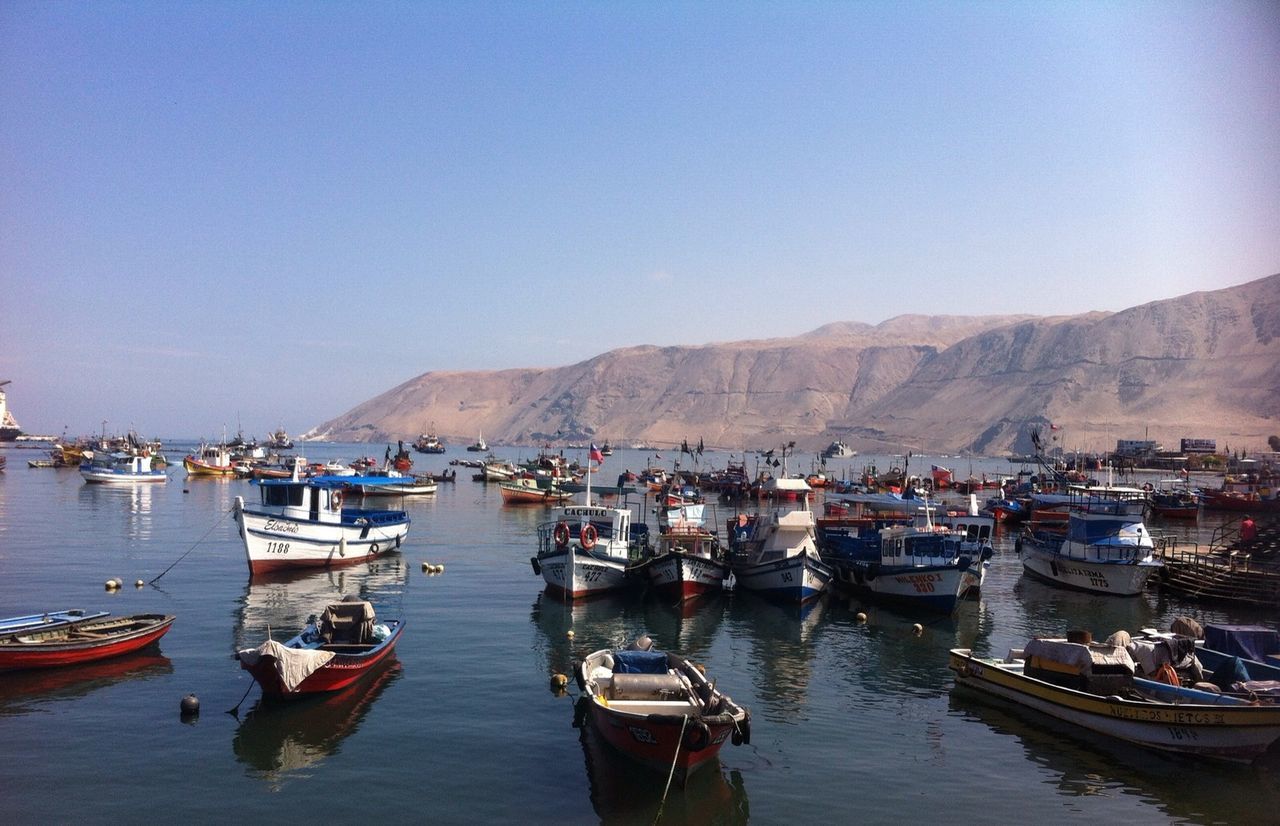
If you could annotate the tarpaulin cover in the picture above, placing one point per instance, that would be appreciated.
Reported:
(639, 662)
(1253, 642)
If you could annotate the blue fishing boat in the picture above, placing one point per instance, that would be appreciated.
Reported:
(49, 619)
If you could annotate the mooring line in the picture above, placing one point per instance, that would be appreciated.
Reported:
(189, 550)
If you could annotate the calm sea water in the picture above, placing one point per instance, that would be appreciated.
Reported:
(850, 721)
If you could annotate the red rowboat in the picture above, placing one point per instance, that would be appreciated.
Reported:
(331, 653)
(81, 642)
(659, 709)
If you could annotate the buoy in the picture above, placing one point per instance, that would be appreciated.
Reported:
(190, 705)
(139, 584)
(569, 633)
(917, 629)
(559, 681)
(186, 490)
(860, 617)
(426, 567)
(440, 568)
(112, 584)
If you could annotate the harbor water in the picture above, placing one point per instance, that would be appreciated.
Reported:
(851, 721)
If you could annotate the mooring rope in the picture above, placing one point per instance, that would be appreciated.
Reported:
(189, 550)
(674, 759)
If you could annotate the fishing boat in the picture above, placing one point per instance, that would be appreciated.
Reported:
(530, 490)
(121, 468)
(480, 445)
(585, 549)
(1107, 548)
(1092, 685)
(685, 562)
(389, 482)
(301, 523)
(209, 460)
(930, 567)
(345, 643)
(1174, 499)
(279, 440)
(838, 450)
(774, 552)
(49, 619)
(429, 442)
(9, 430)
(659, 709)
(84, 641)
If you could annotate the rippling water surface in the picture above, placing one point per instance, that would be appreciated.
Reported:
(852, 721)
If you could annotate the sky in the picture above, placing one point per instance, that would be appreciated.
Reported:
(251, 215)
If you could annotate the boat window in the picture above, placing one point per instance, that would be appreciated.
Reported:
(280, 496)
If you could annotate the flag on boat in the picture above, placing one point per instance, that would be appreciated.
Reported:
(596, 455)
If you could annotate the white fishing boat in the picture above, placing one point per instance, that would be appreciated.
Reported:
(480, 446)
(774, 552)
(585, 549)
(300, 523)
(838, 450)
(1107, 548)
(390, 482)
(121, 469)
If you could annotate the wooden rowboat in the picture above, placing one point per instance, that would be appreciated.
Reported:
(49, 619)
(346, 643)
(80, 642)
(659, 709)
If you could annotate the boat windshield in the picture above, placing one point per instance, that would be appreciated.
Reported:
(280, 496)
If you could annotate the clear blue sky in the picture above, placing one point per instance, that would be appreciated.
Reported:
(266, 213)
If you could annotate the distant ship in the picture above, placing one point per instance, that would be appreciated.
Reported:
(9, 429)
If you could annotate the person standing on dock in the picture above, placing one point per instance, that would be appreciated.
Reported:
(1248, 531)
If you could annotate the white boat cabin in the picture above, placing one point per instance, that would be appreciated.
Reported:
(301, 500)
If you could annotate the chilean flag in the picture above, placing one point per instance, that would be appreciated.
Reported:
(596, 455)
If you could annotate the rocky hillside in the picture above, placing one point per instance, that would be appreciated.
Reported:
(1205, 365)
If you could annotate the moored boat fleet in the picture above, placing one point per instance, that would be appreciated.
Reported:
(911, 548)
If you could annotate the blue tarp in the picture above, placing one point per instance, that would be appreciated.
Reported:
(639, 662)
(1252, 642)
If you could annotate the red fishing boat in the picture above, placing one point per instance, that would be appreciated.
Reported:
(346, 643)
(659, 709)
(80, 642)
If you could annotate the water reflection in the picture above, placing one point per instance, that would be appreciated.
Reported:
(134, 502)
(623, 792)
(279, 604)
(782, 641)
(22, 692)
(279, 740)
(1084, 763)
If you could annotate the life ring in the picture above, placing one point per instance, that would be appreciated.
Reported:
(1147, 487)
(373, 549)
(335, 499)
(587, 537)
(561, 534)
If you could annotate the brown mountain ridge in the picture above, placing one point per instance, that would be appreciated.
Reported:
(1203, 365)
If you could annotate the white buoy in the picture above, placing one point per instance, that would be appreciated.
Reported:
(861, 617)
(569, 633)
(426, 567)
(917, 629)
(139, 584)
(440, 569)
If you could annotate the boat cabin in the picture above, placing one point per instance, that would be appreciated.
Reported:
(313, 500)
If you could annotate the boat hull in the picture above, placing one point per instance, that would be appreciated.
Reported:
(110, 477)
(335, 675)
(929, 587)
(275, 543)
(652, 740)
(195, 467)
(592, 574)
(84, 644)
(1228, 732)
(797, 578)
(1119, 578)
(679, 575)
